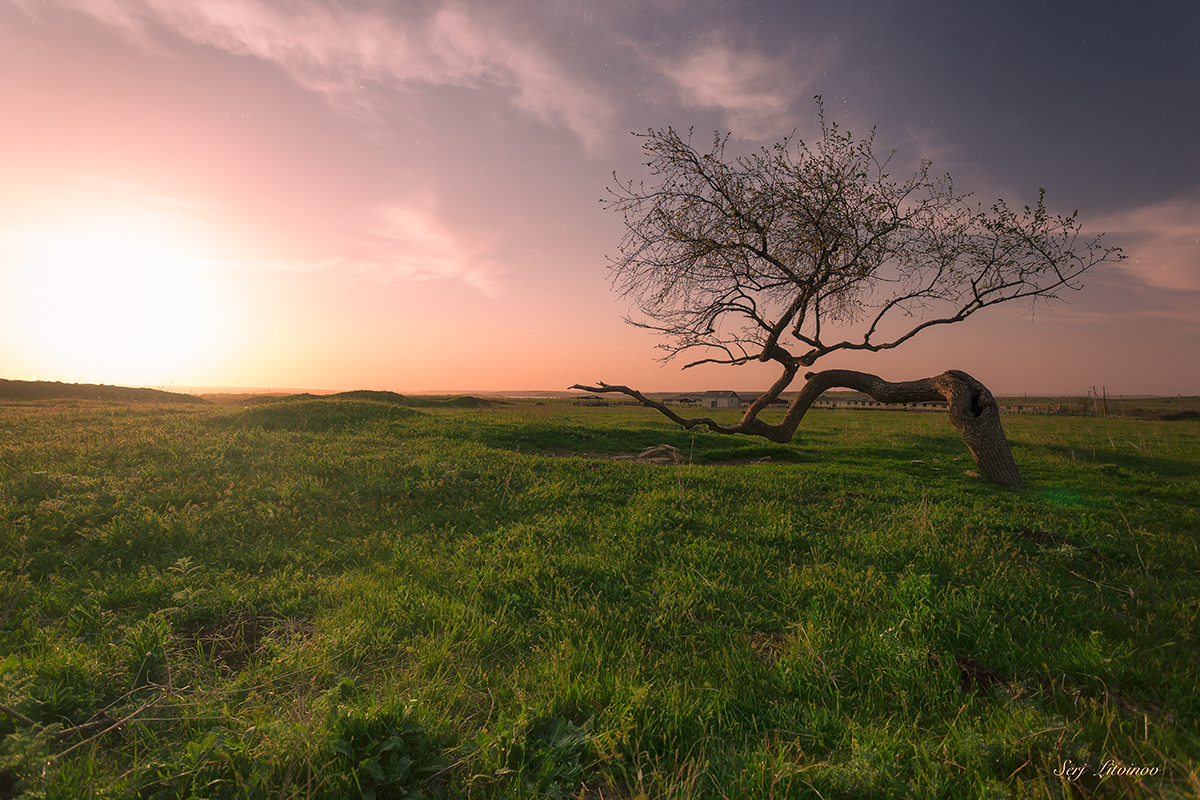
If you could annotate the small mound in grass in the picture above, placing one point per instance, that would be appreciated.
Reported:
(323, 412)
(315, 414)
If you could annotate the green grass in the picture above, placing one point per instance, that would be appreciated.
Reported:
(361, 597)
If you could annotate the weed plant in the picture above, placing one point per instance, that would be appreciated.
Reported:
(358, 597)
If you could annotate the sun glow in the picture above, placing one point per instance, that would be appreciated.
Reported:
(112, 303)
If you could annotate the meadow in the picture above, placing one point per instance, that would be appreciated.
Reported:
(377, 596)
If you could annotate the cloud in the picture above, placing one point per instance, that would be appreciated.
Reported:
(1159, 279)
(403, 243)
(541, 85)
(1160, 276)
(754, 92)
(348, 51)
(1162, 242)
(411, 242)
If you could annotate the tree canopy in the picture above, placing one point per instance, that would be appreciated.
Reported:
(818, 249)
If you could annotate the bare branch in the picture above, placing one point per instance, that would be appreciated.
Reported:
(789, 243)
(973, 411)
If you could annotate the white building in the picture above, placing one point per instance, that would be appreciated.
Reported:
(722, 400)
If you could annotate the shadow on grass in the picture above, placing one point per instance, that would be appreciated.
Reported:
(1114, 462)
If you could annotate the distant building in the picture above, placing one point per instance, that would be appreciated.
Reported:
(1026, 408)
(722, 400)
(592, 400)
(778, 402)
(866, 401)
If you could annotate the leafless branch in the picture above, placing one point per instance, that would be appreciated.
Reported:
(795, 242)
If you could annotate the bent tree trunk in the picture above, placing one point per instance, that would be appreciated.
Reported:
(973, 411)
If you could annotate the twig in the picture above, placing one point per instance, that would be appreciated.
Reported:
(1039, 733)
(17, 715)
(1127, 590)
(108, 728)
(509, 478)
(67, 733)
(701, 577)
(86, 727)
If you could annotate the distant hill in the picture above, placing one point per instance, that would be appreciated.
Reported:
(454, 401)
(55, 390)
(316, 413)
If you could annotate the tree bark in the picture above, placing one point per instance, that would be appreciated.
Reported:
(973, 412)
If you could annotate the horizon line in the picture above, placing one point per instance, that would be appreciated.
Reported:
(198, 390)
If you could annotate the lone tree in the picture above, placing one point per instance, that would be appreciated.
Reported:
(797, 252)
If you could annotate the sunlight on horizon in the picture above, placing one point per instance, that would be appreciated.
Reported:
(112, 303)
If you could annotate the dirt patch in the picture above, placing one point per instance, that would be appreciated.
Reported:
(233, 641)
(1180, 416)
(1043, 538)
(972, 675)
(659, 454)
(768, 646)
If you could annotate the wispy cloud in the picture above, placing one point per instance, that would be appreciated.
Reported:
(1162, 242)
(346, 52)
(1160, 276)
(406, 242)
(753, 91)
(411, 242)
(542, 85)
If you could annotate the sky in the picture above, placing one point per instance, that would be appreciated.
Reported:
(405, 196)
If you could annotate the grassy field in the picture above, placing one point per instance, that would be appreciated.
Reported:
(369, 596)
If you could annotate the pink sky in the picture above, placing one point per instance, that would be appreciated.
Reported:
(336, 195)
